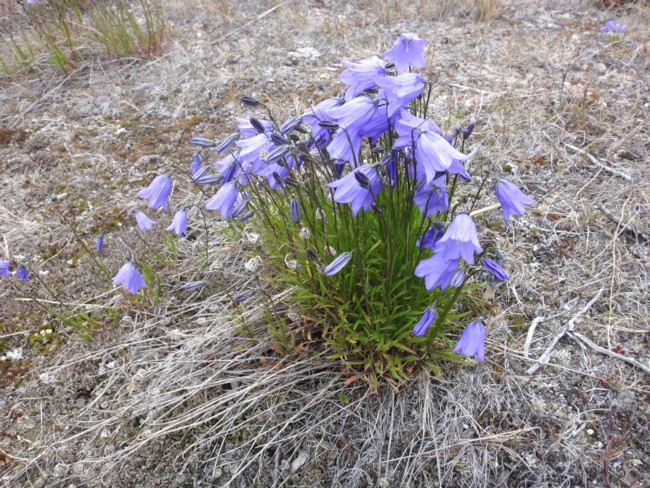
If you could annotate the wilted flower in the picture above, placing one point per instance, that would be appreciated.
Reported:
(179, 223)
(425, 322)
(4, 267)
(144, 222)
(130, 278)
(460, 240)
(100, 243)
(294, 210)
(224, 200)
(338, 264)
(472, 341)
(157, 192)
(196, 163)
(348, 189)
(305, 233)
(408, 51)
(512, 199)
(361, 75)
(497, 271)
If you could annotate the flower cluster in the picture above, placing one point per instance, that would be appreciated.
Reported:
(366, 173)
(612, 26)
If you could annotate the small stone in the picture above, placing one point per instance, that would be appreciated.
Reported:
(590, 432)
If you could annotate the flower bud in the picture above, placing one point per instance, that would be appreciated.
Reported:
(249, 101)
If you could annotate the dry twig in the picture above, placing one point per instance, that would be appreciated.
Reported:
(607, 352)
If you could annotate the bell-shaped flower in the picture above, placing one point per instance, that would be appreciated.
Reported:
(431, 197)
(157, 192)
(22, 273)
(495, 268)
(460, 240)
(408, 51)
(472, 341)
(179, 223)
(196, 163)
(437, 270)
(425, 322)
(251, 148)
(144, 222)
(320, 113)
(224, 200)
(431, 236)
(361, 75)
(100, 243)
(345, 148)
(358, 188)
(338, 264)
(362, 116)
(512, 199)
(130, 278)
(4, 267)
(398, 91)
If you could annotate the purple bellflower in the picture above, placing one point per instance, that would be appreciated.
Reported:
(224, 200)
(247, 130)
(350, 190)
(130, 278)
(338, 264)
(472, 341)
(408, 51)
(144, 222)
(495, 268)
(612, 26)
(196, 163)
(512, 199)
(460, 240)
(433, 153)
(437, 271)
(100, 243)
(4, 267)
(157, 192)
(179, 223)
(431, 236)
(361, 75)
(431, 197)
(251, 148)
(22, 273)
(400, 90)
(320, 113)
(425, 322)
(362, 116)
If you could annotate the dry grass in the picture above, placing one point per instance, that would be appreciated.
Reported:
(191, 392)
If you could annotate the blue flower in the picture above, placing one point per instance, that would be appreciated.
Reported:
(497, 271)
(431, 197)
(425, 322)
(512, 199)
(196, 163)
(345, 147)
(431, 236)
(4, 267)
(22, 273)
(179, 223)
(294, 210)
(437, 271)
(144, 222)
(433, 153)
(338, 264)
(130, 278)
(157, 192)
(362, 116)
(320, 113)
(224, 200)
(100, 243)
(460, 240)
(361, 75)
(400, 90)
(472, 341)
(247, 130)
(611, 26)
(349, 190)
(408, 51)
(251, 148)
